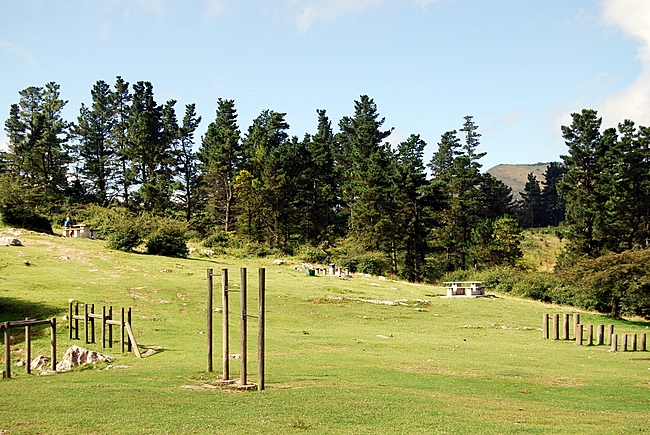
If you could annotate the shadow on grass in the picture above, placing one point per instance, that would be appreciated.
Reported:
(17, 309)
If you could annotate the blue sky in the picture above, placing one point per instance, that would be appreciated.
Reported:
(520, 67)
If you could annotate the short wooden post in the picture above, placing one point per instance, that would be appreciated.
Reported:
(53, 341)
(610, 332)
(76, 321)
(7, 331)
(224, 325)
(92, 322)
(122, 332)
(590, 335)
(642, 346)
(613, 339)
(110, 327)
(28, 348)
(104, 327)
(70, 320)
(565, 321)
(633, 344)
(260, 324)
(136, 349)
(556, 326)
(576, 321)
(578, 334)
(86, 323)
(209, 313)
(623, 342)
(600, 335)
(545, 326)
(128, 316)
(243, 357)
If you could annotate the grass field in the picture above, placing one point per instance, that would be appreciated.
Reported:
(334, 365)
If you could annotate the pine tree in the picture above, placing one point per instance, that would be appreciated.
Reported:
(186, 168)
(531, 206)
(121, 103)
(554, 205)
(220, 160)
(38, 135)
(96, 146)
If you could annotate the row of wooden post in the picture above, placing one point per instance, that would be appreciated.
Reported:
(107, 322)
(27, 324)
(579, 330)
(243, 289)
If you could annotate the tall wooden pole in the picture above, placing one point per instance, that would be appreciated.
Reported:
(260, 332)
(7, 332)
(28, 347)
(53, 341)
(242, 378)
(224, 324)
(209, 325)
(545, 325)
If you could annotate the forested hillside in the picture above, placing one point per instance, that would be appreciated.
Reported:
(133, 169)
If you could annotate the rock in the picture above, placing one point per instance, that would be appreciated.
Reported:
(27, 263)
(207, 252)
(10, 241)
(20, 363)
(165, 270)
(46, 372)
(76, 355)
(279, 262)
(39, 362)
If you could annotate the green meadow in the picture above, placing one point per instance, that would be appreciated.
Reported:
(334, 363)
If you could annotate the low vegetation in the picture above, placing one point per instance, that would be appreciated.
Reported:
(334, 363)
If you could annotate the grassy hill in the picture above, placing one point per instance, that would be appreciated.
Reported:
(516, 176)
(335, 364)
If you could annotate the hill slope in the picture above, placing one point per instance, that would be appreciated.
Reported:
(516, 176)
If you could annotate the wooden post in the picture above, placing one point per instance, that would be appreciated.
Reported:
(86, 322)
(70, 320)
(136, 349)
(209, 325)
(613, 339)
(633, 344)
(576, 321)
(122, 332)
(642, 339)
(53, 341)
(76, 321)
(623, 342)
(260, 332)
(590, 335)
(28, 348)
(104, 327)
(110, 327)
(610, 332)
(7, 372)
(242, 376)
(92, 322)
(556, 326)
(224, 325)
(565, 321)
(600, 335)
(578, 334)
(128, 316)
(545, 326)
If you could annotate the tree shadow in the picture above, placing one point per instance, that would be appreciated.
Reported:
(18, 309)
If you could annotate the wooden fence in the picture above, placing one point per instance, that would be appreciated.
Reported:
(88, 318)
(584, 334)
(27, 324)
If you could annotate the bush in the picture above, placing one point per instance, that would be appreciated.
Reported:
(16, 207)
(124, 235)
(218, 238)
(312, 254)
(168, 240)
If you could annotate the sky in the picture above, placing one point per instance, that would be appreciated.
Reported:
(519, 67)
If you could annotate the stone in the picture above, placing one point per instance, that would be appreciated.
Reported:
(38, 362)
(76, 355)
(10, 241)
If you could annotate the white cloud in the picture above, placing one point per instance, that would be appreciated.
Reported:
(153, 7)
(105, 30)
(308, 12)
(16, 50)
(633, 17)
(215, 8)
(4, 144)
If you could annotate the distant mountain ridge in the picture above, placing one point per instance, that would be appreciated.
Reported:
(516, 176)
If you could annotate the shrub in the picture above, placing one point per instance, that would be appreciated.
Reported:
(168, 240)
(312, 254)
(16, 207)
(124, 235)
